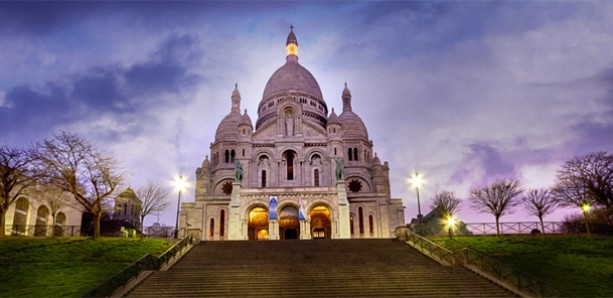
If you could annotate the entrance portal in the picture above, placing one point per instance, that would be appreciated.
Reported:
(321, 226)
(258, 224)
(289, 225)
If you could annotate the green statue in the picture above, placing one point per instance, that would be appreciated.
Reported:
(238, 171)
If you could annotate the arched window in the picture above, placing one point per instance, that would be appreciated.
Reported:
(361, 219)
(212, 228)
(355, 154)
(263, 178)
(243, 152)
(227, 156)
(350, 154)
(351, 224)
(232, 155)
(334, 150)
(371, 225)
(222, 223)
(316, 177)
(290, 166)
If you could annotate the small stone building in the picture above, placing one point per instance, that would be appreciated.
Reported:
(40, 212)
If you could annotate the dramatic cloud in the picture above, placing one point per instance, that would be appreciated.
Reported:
(464, 92)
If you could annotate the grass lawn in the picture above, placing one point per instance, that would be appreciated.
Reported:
(66, 267)
(580, 266)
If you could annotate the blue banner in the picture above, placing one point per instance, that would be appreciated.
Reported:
(301, 211)
(272, 208)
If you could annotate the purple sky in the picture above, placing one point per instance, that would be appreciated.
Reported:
(464, 92)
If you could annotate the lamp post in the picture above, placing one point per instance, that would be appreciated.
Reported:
(586, 209)
(180, 185)
(416, 181)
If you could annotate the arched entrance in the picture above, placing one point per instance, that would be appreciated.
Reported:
(289, 225)
(41, 221)
(321, 226)
(258, 224)
(20, 219)
(60, 221)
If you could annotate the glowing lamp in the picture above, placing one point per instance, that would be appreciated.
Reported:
(586, 207)
(417, 180)
(180, 183)
(451, 221)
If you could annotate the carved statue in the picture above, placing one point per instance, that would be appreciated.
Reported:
(339, 169)
(289, 123)
(238, 171)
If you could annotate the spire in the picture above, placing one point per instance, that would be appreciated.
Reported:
(236, 99)
(346, 99)
(291, 46)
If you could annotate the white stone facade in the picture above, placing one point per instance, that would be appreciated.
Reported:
(292, 155)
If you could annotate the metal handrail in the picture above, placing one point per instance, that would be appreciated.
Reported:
(433, 250)
(476, 261)
(147, 262)
(522, 282)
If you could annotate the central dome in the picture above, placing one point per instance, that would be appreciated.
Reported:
(292, 77)
(292, 82)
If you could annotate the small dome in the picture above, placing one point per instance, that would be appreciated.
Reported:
(228, 128)
(353, 126)
(333, 119)
(206, 163)
(128, 194)
(376, 160)
(245, 120)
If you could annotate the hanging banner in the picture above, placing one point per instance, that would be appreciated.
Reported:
(301, 211)
(272, 208)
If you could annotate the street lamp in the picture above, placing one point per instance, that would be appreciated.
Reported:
(416, 181)
(586, 209)
(450, 222)
(180, 185)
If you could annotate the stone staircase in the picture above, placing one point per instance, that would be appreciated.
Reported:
(316, 268)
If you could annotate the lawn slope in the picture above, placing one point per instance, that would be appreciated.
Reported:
(580, 266)
(66, 267)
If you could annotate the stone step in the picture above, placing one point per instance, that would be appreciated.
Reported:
(327, 268)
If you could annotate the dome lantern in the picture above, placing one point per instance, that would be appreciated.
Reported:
(291, 46)
(236, 99)
(346, 99)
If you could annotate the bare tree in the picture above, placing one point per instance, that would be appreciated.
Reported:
(569, 192)
(16, 177)
(71, 164)
(591, 175)
(152, 198)
(446, 203)
(497, 199)
(539, 202)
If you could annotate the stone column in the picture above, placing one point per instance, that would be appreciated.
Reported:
(304, 230)
(234, 220)
(273, 229)
(343, 211)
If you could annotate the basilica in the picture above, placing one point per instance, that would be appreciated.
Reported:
(303, 172)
